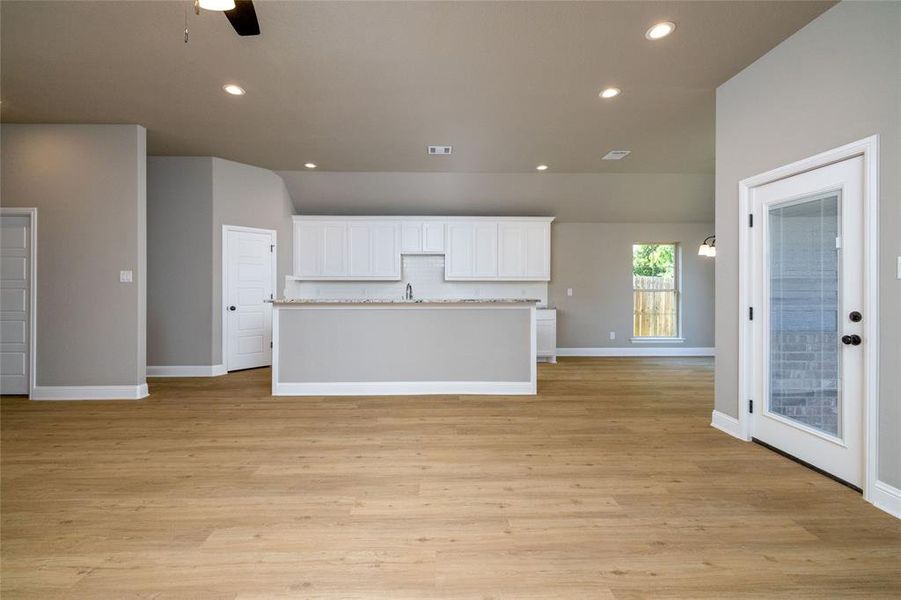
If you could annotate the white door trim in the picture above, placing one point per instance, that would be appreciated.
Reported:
(224, 313)
(32, 214)
(868, 148)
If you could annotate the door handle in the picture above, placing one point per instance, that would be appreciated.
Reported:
(851, 340)
(232, 308)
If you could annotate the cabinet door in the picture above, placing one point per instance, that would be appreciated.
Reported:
(359, 249)
(460, 246)
(433, 237)
(511, 250)
(384, 250)
(524, 251)
(334, 249)
(485, 251)
(308, 249)
(537, 251)
(411, 237)
(547, 337)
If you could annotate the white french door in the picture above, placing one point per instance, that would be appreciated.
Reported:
(807, 329)
(248, 287)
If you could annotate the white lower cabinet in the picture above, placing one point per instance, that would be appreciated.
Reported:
(546, 325)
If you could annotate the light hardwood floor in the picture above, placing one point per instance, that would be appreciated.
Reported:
(609, 484)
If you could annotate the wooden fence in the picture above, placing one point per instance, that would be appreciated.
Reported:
(655, 307)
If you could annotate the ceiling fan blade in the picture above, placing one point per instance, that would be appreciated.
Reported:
(243, 18)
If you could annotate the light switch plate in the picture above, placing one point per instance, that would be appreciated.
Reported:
(899, 267)
(126, 277)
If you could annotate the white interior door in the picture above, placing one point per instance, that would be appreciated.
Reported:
(250, 273)
(15, 303)
(808, 345)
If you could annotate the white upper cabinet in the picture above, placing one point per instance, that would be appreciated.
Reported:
(524, 250)
(485, 252)
(385, 251)
(422, 237)
(433, 237)
(458, 262)
(411, 237)
(320, 249)
(370, 248)
(471, 250)
(352, 249)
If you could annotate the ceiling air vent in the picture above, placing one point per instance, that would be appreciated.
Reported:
(440, 150)
(617, 154)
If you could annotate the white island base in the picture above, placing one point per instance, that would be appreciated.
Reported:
(376, 347)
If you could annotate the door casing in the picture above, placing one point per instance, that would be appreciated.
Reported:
(868, 148)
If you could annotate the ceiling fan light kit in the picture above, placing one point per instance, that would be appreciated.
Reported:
(216, 4)
(240, 13)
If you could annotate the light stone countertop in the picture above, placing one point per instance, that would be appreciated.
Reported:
(288, 301)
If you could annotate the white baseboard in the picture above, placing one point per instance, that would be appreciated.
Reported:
(886, 497)
(89, 392)
(726, 424)
(404, 388)
(186, 370)
(635, 351)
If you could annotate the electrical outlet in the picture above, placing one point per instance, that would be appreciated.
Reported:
(569, 291)
(899, 267)
(126, 277)
(612, 335)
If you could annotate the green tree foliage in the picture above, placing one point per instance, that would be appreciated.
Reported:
(654, 260)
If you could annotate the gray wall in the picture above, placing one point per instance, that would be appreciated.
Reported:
(250, 197)
(595, 259)
(571, 197)
(190, 199)
(180, 260)
(88, 184)
(835, 81)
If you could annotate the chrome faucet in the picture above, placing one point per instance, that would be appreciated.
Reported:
(409, 293)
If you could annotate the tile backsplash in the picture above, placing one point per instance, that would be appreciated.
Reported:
(426, 274)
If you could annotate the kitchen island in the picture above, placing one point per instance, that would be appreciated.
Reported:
(387, 347)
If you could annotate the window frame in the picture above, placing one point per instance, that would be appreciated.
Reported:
(677, 289)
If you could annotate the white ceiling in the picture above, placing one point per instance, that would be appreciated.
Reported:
(366, 86)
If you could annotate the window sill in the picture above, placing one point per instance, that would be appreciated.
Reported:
(657, 340)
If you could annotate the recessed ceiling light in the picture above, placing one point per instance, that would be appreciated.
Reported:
(234, 90)
(610, 93)
(541, 168)
(660, 30)
(217, 4)
(310, 165)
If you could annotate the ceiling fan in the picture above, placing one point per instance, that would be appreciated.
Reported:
(240, 13)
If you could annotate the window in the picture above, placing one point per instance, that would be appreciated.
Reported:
(655, 291)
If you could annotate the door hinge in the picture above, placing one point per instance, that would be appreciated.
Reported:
(271, 297)
(270, 344)
(751, 406)
(271, 247)
(750, 313)
(751, 220)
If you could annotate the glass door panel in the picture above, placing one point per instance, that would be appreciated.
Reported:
(804, 283)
